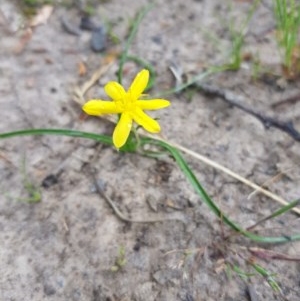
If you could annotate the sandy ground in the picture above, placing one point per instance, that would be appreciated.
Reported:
(66, 246)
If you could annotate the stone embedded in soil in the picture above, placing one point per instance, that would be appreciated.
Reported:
(98, 39)
(87, 24)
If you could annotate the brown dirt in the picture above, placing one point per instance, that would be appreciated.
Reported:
(64, 247)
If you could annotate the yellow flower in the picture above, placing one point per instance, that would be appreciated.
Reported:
(129, 106)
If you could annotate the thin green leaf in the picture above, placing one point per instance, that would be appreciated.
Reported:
(241, 273)
(179, 160)
(58, 132)
(132, 35)
(268, 276)
(209, 202)
(276, 213)
(199, 77)
(146, 65)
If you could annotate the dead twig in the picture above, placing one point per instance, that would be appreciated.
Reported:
(268, 255)
(265, 184)
(119, 214)
(251, 293)
(217, 166)
(286, 101)
(7, 160)
(79, 92)
(237, 101)
(269, 217)
(79, 98)
(232, 174)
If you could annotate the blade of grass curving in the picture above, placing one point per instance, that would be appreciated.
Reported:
(244, 275)
(181, 163)
(276, 213)
(287, 23)
(268, 276)
(58, 132)
(146, 65)
(238, 37)
(199, 77)
(209, 202)
(132, 35)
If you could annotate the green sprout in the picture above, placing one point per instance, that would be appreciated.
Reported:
(237, 270)
(120, 261)
(287, 14)
(238, 33)
(33, 193)
(256, 67)
(259, 270)
(270, 277)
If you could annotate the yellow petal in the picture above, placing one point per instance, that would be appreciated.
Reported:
(139, 84)
(122, 130)
(148, 123)
(98, 107)
(115, 91)
(153, 104)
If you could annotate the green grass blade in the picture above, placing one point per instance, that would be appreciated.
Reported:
(287, 17)
(58, 132)
(209, 202)
(238, 37)
(132, 35)
(199, 77)
(278, 212)
(146, 65)
(268, 276)
(179, 160)
(241, 273)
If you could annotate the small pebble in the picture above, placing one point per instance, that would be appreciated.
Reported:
(70, 28)
(98, 40)
(87, 24)
(49, 181)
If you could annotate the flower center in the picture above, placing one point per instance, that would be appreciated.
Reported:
(127, 104)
